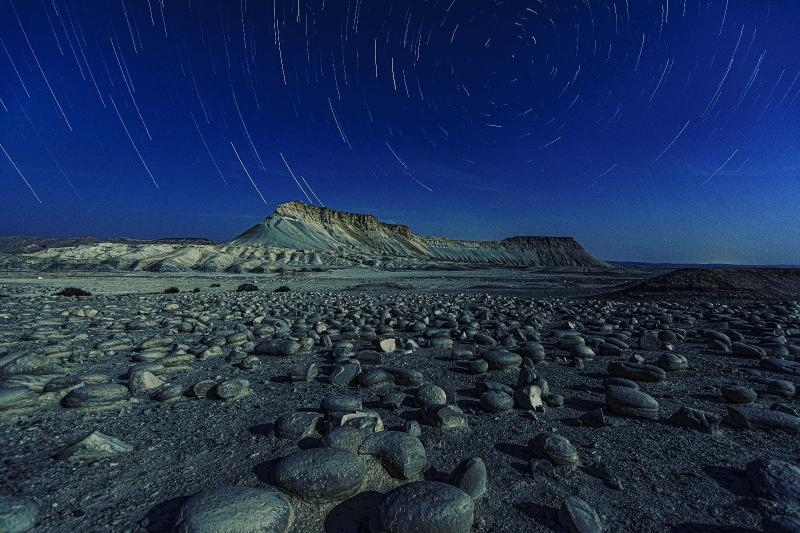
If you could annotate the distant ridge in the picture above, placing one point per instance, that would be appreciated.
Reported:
(299, 226)
(27, 245)
(731, 283)
(299, 235)
(701, 266)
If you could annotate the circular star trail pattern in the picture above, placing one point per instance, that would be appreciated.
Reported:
(652, 130)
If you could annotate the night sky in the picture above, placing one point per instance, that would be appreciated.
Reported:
(651, 130)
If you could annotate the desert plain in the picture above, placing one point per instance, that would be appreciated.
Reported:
(442, 397)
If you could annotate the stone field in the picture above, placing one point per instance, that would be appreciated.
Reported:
(365, 401)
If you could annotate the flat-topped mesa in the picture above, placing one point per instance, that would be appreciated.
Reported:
(300, 226)
(324, 215)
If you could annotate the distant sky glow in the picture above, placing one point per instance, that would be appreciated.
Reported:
(650, 130)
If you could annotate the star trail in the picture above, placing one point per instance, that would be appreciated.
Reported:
(663, 130)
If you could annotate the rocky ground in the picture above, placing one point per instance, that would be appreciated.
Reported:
(361, 400)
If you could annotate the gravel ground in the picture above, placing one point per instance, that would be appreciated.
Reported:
(660, 476)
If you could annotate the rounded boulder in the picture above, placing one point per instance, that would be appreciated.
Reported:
(429, 506)
(242, 509)
(320, 474)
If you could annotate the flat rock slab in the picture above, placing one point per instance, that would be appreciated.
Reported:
(239, 509)
(320, 474)
(423, 506)
(695, 419)
(96, 395)
(12, 398)
(637, 371)
(756, 418)
(783, 366)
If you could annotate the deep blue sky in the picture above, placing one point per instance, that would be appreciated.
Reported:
(652, 130)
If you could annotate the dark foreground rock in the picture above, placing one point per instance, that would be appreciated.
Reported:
(264, 510)
(320, 474)
(423, 506)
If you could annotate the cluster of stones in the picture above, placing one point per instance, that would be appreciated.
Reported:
(337, 470)
(344, 340)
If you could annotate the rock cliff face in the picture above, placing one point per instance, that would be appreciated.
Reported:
(298, 226)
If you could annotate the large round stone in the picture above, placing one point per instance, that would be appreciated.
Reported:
(496, 401)
(428, 506)
(532, 350)
(375, 377)
(240, 509)
(470, 476)
(429, 395)
(278, 347)
(405, 377)
(143, 381)
(441, 342)
(502, 359)
(672, 362)
(347, 437)
(629, 402)
(320, 474)
(231, 389)
(403, 455)
(554, 448)
(340, 402)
